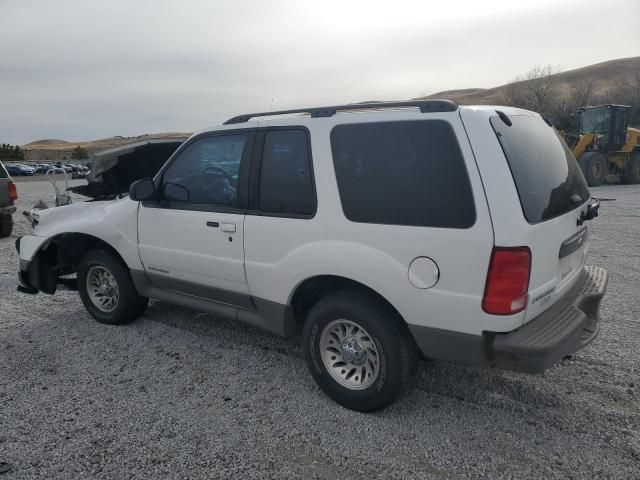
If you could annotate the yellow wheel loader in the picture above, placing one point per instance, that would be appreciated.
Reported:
(608, 150)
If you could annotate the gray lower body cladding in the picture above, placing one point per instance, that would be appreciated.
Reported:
(270, 316)
(563, 329)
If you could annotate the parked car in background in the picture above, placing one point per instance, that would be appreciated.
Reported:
(79, 173)
(66, 168)
(42, 167)
(27, 167)
(8, 195)
(19, 170)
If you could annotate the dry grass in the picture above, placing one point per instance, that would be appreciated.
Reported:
(604, 75)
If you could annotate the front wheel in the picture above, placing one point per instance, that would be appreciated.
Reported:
(358, 350)
(106, 289)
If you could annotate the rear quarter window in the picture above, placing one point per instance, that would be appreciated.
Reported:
(402, 173)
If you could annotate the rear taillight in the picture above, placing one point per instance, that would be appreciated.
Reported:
(507, 284)
(13, 192)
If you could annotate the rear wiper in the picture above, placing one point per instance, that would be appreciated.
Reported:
(592, 212)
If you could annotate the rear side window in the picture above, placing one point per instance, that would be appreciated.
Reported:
(546, 174)
(286, 182)
(402, 173)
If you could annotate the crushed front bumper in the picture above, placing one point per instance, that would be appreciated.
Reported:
(564, 328)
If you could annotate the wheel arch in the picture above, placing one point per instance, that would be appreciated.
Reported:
(69, 247)
(311, 290)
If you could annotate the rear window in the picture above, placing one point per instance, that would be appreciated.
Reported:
(547, 176)
(402, 173)
(3, 172)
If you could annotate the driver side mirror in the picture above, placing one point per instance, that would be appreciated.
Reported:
(142, 190)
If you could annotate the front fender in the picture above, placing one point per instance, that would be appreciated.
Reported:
(113, 222)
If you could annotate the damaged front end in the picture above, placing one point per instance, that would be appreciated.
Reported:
(108, 220)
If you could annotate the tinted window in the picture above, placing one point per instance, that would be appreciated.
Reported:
(3, 172)
(286, 184)
(402, 173)
(547, 176)
(208, 169)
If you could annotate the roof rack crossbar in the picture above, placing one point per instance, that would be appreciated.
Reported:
(425, 106)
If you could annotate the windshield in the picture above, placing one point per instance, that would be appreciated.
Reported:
(547, 176)
(595, 120)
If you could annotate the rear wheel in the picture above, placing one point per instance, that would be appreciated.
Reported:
(632, 174)
(594, 167)
(358, 350)
(106, 289)
(6, 225)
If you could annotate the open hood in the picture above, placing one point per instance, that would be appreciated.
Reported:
(114, 169)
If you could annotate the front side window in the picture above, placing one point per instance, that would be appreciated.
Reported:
(286, 182)
(206, 172)
(402, 173)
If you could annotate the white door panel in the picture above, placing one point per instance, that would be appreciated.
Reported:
(180, 244)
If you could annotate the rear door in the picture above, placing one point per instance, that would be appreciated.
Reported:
(551, 193)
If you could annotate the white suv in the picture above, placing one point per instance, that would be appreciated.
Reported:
(385, 232)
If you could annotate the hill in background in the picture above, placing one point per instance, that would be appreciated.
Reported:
(51, 149)
(605, 78)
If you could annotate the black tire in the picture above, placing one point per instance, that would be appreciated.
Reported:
(632, 174)
(396, 350)
(129, 305)
(594, 167)
(6, 225)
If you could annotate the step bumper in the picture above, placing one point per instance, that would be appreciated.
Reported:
(566, 327)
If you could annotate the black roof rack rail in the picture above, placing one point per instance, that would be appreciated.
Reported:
(315, 112)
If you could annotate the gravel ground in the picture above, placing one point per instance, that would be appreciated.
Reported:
(180, 394)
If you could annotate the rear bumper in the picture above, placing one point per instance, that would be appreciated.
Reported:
(564, 328)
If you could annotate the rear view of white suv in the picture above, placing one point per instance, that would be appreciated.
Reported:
(385, 232)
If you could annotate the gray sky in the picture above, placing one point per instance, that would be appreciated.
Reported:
(87, 69)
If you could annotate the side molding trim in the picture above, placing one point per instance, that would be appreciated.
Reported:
(264, 314)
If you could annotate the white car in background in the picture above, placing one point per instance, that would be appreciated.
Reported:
(384, 232)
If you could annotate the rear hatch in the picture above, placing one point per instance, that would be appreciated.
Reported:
(552, 192)
(536, 193)
(5, 179)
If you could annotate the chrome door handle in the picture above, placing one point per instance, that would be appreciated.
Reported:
(228, 227)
